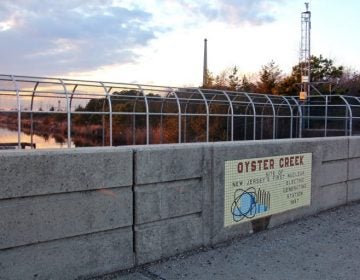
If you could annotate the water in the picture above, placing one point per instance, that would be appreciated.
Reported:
(11, 136)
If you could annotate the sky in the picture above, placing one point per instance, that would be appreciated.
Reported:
(161, 41)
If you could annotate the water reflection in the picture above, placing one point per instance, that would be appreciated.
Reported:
(42, 142)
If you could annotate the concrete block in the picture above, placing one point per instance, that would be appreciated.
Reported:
(63, 259)
(166, 238)
(317, 169)
(354, 168)
(353, 190)
(167, 200)
(332, 172)
(168, 163)
(354, 147)
(207, 214)
(36, 219)
(331, 196)
(334, 148)
(45, 172)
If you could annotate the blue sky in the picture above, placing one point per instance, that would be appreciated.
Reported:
(161, 42)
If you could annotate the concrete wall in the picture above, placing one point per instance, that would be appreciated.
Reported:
(84, 212)
(65, 213)
(173, 186)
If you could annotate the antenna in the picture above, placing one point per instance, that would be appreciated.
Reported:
(205, 70)
(305, 53)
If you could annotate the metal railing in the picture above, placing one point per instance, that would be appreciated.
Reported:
(95, 113)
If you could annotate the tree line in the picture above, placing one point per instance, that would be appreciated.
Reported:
(327, 77)
(89, 129)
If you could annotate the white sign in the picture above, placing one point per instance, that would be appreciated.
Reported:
(260, 187)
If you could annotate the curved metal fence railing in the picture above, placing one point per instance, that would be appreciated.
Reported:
(76, 113)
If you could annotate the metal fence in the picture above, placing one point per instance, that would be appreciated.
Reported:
(93, 113)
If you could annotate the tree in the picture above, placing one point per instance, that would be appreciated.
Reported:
(246, 85)
(323, 73)
(289, 86)
(221, 81)
(322, 69)
(270, 77)
(228, 79)
(209, 81)
(348, 84)
(233, 79)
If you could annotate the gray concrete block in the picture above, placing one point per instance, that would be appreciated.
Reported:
(167, 200)
(168, 163)
(354, 169)
(64, 259)
(332, 172)
(353, 190)
(334, 148)
(166, 238)
(317, 168)
(36, 219)
(331, 196)
(354, 147)
(207, 214)
(44, 172)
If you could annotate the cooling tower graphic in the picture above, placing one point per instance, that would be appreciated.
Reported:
(249, 203)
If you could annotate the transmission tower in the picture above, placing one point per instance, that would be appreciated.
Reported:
(305, 54)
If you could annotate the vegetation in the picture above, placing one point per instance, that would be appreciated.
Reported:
(328, 78)
(90, 128)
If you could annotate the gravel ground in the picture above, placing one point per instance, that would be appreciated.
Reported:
(325, 246)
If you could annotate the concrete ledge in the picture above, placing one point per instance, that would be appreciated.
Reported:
(67, 214)
(330, 197)
(354, 169)
(333, 172)
(167, 238)
(354, 147)
(67, 259)
(336, 148)
(354, 190)
(175, 162)
(37, 219)
(166, 200)
(38, 173)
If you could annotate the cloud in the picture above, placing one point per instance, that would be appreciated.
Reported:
(57, 37)
(254, 12)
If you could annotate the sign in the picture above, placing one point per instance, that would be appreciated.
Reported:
(304, 79)
(259, 187)
(303, 95)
